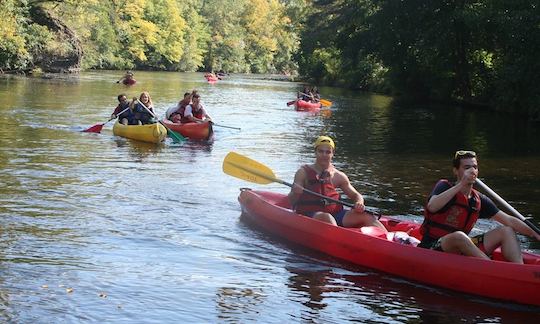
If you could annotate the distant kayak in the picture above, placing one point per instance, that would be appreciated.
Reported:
(301, 105)
(129, 81)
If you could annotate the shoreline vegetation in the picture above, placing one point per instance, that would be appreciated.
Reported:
(476, 55)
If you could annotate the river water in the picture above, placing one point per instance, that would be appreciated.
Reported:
(97, 228)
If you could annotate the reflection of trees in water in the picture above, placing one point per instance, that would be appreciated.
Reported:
(312, 285)
(139, 150)
(379, 297)
(234, 303)
(403, 300)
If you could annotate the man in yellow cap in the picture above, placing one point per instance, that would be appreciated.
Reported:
(321, 177)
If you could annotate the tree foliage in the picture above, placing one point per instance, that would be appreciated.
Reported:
(185, 35)
(472, 51)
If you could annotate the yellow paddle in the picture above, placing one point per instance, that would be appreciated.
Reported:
(326, 103)
(244, 168)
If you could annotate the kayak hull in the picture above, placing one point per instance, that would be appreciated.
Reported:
(301, 105)
(129, 81)
(151, 133)
(370, 248)
(195, 131)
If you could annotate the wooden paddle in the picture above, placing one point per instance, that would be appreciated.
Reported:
(177, 138)
(507, 205)
(244, 168)
(97, 127)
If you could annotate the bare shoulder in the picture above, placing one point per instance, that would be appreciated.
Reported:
(339, 178)
(301, 172)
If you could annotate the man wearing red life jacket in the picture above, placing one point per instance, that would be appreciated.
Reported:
(453, 209)
(195, 111)
(177, 113)
(321, 177)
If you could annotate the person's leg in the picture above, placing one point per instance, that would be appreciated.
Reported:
(505, 237)
(460, 243)
(353, 218)
(325, 217)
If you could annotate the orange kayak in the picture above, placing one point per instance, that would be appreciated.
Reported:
(194, 131)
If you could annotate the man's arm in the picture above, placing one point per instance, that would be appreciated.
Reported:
(297, 188)
(345, 184)
(517, 224)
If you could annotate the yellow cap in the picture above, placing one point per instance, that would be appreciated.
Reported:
(325, 140)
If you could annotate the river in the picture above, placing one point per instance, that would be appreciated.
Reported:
(97, 228)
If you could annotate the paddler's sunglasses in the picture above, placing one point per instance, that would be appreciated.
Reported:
(464, 153)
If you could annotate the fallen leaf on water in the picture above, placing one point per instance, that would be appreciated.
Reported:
(69, 290)
(45, 286)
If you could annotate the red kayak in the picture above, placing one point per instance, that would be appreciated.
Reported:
(129, 81)
(195, 131)
(301, 105)
(395, 253)
(211, 78)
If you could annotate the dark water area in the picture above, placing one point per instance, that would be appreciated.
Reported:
(98, 228)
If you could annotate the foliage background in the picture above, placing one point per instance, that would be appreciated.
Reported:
(479, 53)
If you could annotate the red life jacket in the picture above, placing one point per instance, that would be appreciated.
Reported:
(197, 114)
(309, 203)
(458, 216)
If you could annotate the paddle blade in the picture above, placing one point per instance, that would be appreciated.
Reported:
(290, 103)
(326, 103)
(94, 129)
(177, 138)
(244, 168)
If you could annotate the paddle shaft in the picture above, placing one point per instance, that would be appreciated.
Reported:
(508, 206)
(274, 179)
(175, 135)
(237, 128)
(97, 127)
(120, 113)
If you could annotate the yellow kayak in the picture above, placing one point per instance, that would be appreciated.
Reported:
(152, 133)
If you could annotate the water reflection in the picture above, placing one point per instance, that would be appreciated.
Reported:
(234, 303)
(375, 295)
(138, 150)
(311, 284)
(101, 210)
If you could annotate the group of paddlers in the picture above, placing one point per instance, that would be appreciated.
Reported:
(188, 110)
(309, 94)
(140, 111)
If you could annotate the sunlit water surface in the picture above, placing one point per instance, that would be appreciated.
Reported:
(97, 228)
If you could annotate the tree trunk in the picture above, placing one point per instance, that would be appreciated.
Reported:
(58, 62)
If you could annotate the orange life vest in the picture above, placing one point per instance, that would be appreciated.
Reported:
(308, 203)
